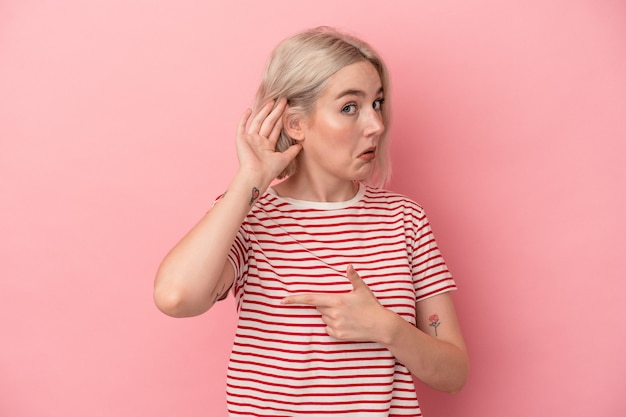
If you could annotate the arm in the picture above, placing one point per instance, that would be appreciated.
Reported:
(196, 272)
(439, 361)
(435, 355)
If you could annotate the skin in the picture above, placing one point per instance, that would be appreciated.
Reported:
(347, 120)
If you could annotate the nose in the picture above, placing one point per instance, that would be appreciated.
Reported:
(375, 125)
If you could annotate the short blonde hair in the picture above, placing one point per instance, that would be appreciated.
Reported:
(298, 70)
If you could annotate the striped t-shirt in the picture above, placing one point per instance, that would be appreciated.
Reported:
(282, 362)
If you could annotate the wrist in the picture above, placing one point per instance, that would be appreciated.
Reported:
(243, 191)
(247, 179)
(390, 327)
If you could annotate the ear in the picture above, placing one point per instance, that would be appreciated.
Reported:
(294, 125)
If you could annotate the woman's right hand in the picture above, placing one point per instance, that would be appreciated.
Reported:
(196, 272)
(256, 145)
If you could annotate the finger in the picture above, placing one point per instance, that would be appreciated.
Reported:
(275, 133)
(354, 278)
(275, 117)
(326, 320)
(258, 118)
(312, 299)
(292, 151)
(330, 332)
(243, 121)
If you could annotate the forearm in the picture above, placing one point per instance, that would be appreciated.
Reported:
(439, 364)
(188, 281)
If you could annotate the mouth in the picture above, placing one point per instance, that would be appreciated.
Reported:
(369, 153)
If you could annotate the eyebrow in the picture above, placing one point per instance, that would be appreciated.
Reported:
(353, 92)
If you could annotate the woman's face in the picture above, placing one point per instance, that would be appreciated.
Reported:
(341, 136)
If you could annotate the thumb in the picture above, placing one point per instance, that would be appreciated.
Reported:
(293, 151)
(354, 278)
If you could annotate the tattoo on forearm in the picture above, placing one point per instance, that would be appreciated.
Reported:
(255, 195)
(434, 322)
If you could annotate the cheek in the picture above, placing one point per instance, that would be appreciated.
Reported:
(337, 129)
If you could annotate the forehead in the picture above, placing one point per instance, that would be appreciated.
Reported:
(360, 78)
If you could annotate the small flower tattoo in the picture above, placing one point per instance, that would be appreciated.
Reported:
(434, 322)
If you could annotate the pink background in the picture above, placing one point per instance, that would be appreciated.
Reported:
(117, 127)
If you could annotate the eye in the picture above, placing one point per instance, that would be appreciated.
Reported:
(378, 104)
(349, 108)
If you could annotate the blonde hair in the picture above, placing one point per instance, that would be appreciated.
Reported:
(298, 70)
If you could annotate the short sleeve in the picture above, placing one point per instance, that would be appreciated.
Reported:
(238, 258)
(430, 272)
(238, 255)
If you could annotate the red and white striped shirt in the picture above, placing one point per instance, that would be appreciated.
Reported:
(283, 363)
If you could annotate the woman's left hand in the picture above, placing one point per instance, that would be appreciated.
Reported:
(356, 316)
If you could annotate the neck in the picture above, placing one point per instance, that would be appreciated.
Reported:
(301, 187)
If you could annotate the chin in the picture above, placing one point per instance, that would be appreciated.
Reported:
(364, 174)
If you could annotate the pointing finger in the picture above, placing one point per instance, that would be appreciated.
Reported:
(312, 299)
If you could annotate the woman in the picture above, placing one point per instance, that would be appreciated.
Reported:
(341, 291)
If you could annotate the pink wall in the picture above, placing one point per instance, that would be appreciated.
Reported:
(116, 133)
